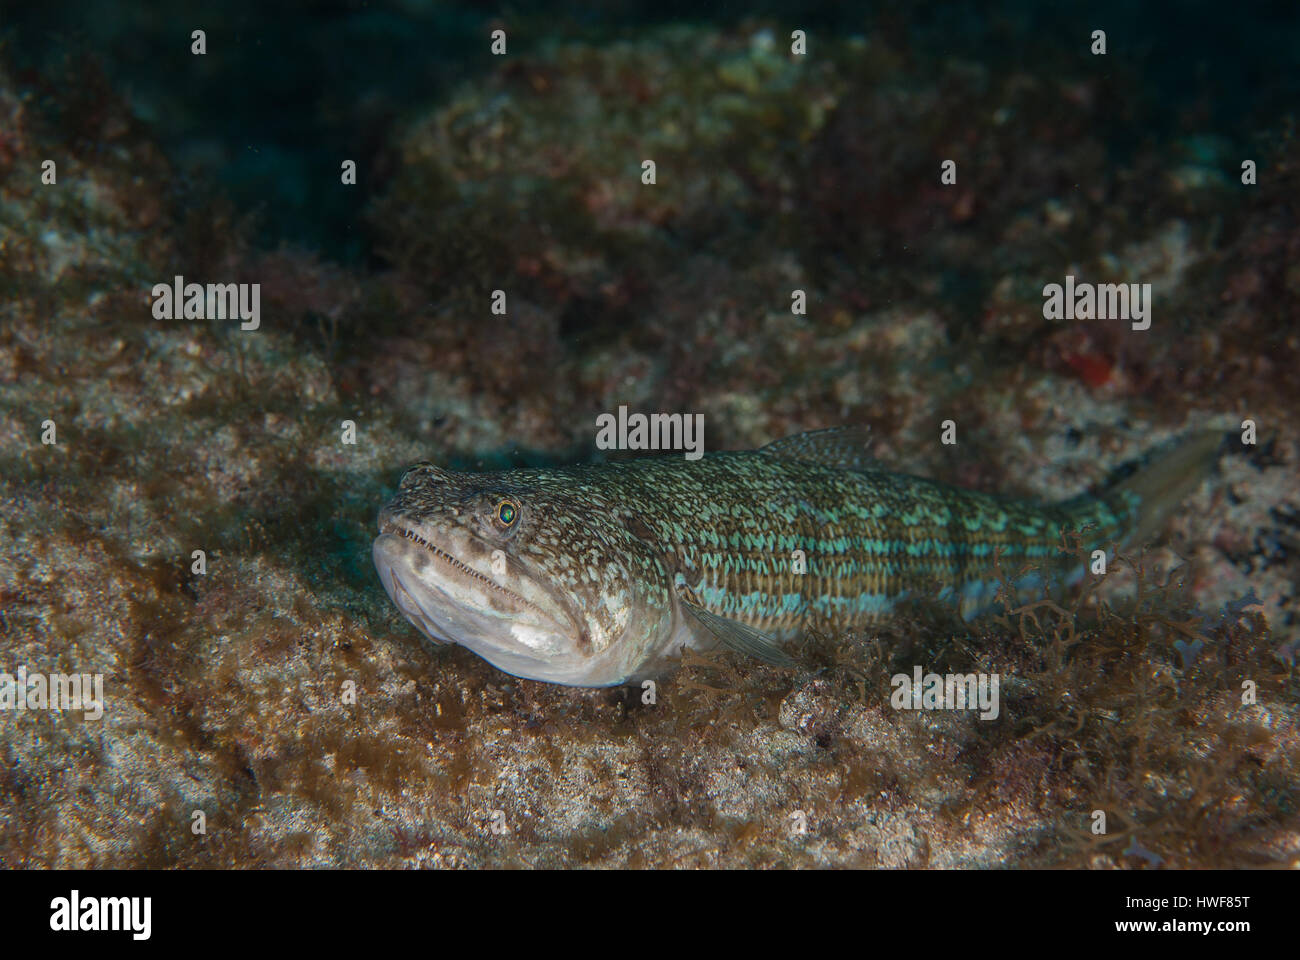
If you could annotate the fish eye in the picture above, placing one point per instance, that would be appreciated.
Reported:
(507, 513)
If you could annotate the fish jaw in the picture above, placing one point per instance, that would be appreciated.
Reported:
(522, 627)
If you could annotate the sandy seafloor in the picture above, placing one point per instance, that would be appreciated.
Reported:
(223, 691)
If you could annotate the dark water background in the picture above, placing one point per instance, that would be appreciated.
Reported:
(301, 79)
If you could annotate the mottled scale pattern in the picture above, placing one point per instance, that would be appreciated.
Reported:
(729, 525)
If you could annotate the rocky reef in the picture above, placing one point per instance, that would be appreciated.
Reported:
(226, 691)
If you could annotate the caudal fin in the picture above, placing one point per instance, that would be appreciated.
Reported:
(1163, 481)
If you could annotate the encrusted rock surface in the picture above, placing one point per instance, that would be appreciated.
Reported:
(224, 692)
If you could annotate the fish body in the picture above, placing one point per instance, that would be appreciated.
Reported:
(594, 575)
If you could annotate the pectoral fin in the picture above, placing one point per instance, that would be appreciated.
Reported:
(739, 636)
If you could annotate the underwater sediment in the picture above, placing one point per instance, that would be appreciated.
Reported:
(224, 690)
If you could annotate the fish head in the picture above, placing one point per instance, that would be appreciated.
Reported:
(542, 578)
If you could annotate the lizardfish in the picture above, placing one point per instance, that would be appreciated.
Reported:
(595, 575)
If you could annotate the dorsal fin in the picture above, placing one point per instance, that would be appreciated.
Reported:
(841, 447)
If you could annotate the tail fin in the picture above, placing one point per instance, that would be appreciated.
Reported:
(1163, 481)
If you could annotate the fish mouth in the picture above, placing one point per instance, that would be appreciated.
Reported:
(392, 527)
(406, 602)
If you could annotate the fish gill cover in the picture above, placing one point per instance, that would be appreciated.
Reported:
(255, 265)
